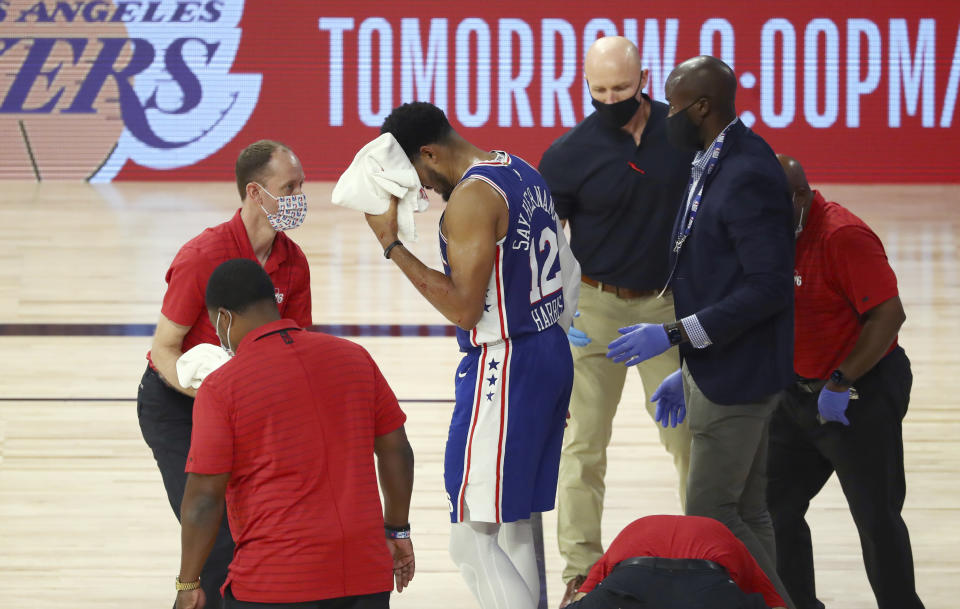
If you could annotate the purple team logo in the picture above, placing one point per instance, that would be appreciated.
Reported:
(86, 86)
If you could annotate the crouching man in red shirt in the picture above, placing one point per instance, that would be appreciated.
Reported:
(286, 431)
(676, 562)
(843, 414)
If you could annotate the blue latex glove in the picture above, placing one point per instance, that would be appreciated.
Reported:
(576, 337)
(639, 343)
(669, 398)
(833, 405)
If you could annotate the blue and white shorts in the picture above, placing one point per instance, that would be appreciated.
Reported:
(503, 448)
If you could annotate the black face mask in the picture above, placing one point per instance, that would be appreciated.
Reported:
(618, 113)
(682, 132)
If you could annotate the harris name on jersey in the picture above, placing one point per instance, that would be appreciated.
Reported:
(536, 198)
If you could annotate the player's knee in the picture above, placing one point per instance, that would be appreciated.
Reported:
(516, 537)
(469, 541)
(457, 547)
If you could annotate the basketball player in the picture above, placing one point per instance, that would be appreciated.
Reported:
(501, 286)
(270, 182)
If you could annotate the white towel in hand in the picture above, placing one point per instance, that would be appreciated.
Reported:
(194, 365)
(380, 170)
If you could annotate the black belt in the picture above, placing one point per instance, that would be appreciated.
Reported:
(806, 385)
(673, 564)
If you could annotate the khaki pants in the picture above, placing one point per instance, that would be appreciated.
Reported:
(597, 386)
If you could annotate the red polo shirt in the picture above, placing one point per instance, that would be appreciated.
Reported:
(184, 303)
(686, 537)
(841, 273)
(293, 417)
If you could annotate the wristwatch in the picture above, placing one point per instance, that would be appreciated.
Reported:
(839, 379)
(673, 333)
(187, 585)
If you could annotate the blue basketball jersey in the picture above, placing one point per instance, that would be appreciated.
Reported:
(525, 291)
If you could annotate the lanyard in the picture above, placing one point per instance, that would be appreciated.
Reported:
(714, 153)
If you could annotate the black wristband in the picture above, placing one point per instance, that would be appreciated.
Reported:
(386, 252)
(840, 379)
(673, 333)
(397, 532)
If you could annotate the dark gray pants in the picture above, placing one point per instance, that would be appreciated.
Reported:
(728, 471)
(166, 421)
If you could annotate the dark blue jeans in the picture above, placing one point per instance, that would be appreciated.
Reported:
(166, 420)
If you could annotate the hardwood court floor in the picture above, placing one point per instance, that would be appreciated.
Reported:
(84, 521)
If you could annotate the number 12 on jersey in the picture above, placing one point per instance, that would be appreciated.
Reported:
(542, 284)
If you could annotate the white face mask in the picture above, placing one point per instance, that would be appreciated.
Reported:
(291, 211)
(228, 348)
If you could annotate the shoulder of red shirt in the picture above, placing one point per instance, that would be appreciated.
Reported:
(268, 328)
(291, 325)
(843, 232)
(834, 217)
(204, 246)
(224, 373)
(213, 234)
(205, 249)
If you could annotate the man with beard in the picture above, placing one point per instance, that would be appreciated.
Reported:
(502, 287)
(732, 280)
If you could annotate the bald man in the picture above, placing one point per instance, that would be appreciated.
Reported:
(732, 280)
(619, 183)
(843, 414)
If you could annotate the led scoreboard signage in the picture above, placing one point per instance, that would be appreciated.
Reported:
(173, 89)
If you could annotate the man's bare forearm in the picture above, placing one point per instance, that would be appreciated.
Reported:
(199, 520)
(438, 289)
(395, 470)
(879, 331)
(165, 360)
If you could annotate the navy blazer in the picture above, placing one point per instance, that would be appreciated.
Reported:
(735, 273)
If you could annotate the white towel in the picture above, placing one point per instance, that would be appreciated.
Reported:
(570, 275)
(379, 171)
(194, 365)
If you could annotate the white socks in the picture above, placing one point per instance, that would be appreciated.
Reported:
(501, 573)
